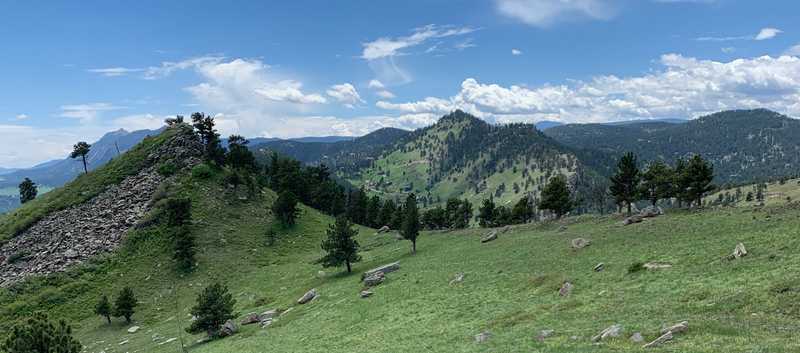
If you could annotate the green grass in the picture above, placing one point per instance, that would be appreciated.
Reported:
(83, 188)
(510, 285)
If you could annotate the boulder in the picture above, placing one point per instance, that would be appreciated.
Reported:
(266, 322)
(458, 279)
(309, 296)
(374, 279)
(133, 329)
(637, 337)
(659, 341)
(566, 289)
(651, 211)
(612, 331)
(632, 219)
(599, 267)
(269, 314)
(388, 268)
(489, 237)
(738, 252)
(483, 337)
(580, 243)
(384, 229)
(544, 334)
(365, 294)
(228, 329)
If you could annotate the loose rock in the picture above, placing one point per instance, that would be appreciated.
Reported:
(632, 219)
(228, 329)
(677, 328)
(133, 329)
(637, 337)
(483, 337)
(489, 237)
(651, 211)
(386, 269)
(458, 279)
(365, 294)
(544, 334)
(599, 267)
(384, 229)
(566, 289)
(659, 341)
(580, 243)
(250, 318)
(612, 331)
(374, 279)
(738, 252)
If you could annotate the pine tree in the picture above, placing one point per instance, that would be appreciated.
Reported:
(125, 304)
(556, 197)
(103, 308)
(464, 215)
(81, 149)
(522, 211)
(27, 191)
(410, 230)
(212, 146)
(387, 213)
(486, 214)
(657, 181)
(373, 212)
(625, 183)
(184, 248)
(340, 246)
(239, 156)
(214, 306)
(39, 335)
(700, 174)
(285, 208)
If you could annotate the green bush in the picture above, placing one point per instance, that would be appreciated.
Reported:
(167, 169)
(636, 267)
(202, 171)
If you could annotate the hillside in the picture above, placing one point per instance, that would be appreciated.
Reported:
(463, 156)
(510, 286)
(743, 145)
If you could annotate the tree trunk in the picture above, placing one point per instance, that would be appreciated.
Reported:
(413, 246)
(85, 169)
(654, 201)
(108, 318)
(629, 208)
(348, 267)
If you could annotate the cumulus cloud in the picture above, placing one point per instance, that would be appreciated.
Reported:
(516, 51)
(544, 13)
(24, 146)
(683, 87)
(139, 122)
(346, 94)
(86, 113)
(380, 89)
(794, 50)
(767, 33)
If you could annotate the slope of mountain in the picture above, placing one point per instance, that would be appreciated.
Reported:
(57, 172)
(345, 156)
(463, 156)
(743, 145)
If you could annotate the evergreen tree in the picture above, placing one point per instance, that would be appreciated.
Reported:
(387, 213)
(214, 306)
(184, 247)
(178, 211)
(27, 191)
(556, 197)
(81, 149)
(239, 156)
(657, 181)
(285, 208)
(398, 217)
(680, 182)
(523, 210)
(357, 206)
(700, 174)
(486, 214)
(340, 246)
(464, 215)
(39, 335)
(178, 119)
(410, 230)
(373, 212)
(125, 304)
(625, 183)
(103, 308)
(212, 147)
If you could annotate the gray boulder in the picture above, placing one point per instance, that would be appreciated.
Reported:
(228, 329)
(458, 279)
(612, 331)
(386, 269)
(637, 337)
(566, 289)
(374, 279)
(599, 267)
(309, 296)
(651, 211)
(633, 219)
(489, 237)
(250, 318)
(483, 337)
(738, 252)
(580, 243)
(384, 229)
(660, 340)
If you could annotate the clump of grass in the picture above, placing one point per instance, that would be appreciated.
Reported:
(202, 171)
(167, 169)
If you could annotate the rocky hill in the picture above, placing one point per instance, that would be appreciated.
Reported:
(53, 240)
(743, 145)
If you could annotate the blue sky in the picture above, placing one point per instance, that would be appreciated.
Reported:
(75, 70)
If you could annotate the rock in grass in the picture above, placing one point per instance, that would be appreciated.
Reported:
(228, 329)
(566, 289)
(544, 334)
(374, 279)
(637, 337)
(309, 296)
(659, 341)
(458, 279)
(489, 237)
(365, 294)
(612, 331)
(269, 314)
(386, 269)
(655, 265)
(580, 243)
(651, 211)
(383, 229)
(599, 267)
(483, 337)
(250, 318)
(738, 252)
(133, 329)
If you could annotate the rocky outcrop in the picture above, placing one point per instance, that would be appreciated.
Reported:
(374, 279)
(78, 233)
(388, 268)
(489, 237)
(309, 296)
(612, 331)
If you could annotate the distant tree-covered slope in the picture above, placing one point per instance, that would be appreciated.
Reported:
(465, 157)
(743, 145)
(344, 156)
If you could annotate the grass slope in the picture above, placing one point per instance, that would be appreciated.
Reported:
(510, 286)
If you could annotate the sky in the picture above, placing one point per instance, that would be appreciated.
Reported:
(74, 70)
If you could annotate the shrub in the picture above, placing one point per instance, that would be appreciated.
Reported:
(38, 334)
(636, 267)
(202, 171)
(167, 169)
(125, 304)
(214, 307)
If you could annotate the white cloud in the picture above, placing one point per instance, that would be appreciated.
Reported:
(380, 89)
(385, 94)
(516, 51)
(794, 50)
(684, 87)
(86, 113)
(728, 50)
(21, 117)
(767, 33)
(115, 71)
(345, 93)
(763, 34)
(376, 84)
(544, 13)
(139, 122)
(388, 47)
(24, 146)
